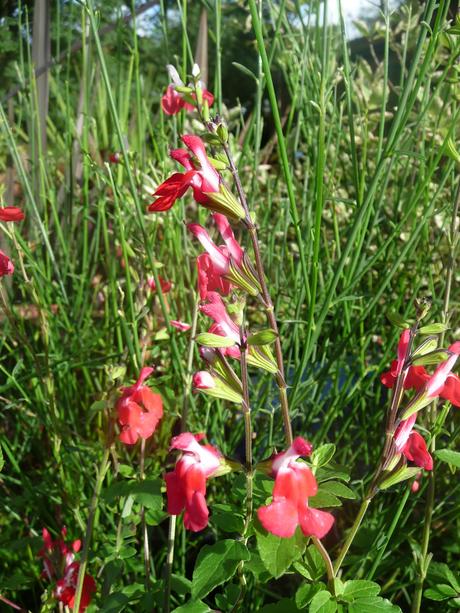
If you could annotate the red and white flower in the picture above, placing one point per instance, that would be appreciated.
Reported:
(294, 484)
(186, 484)
(412, 444)
(200, 175)
(139, 410)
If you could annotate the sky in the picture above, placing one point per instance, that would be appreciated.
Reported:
(353, 10)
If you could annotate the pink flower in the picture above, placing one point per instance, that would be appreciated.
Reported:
(209, 280)
(172, 102)
(66, 587)
(139, 410)
(182, 326)
(200, 175)
(11, 213)
(6, 265)
(203, 380)
(294, 484)
(412, 444)
(115, 158)
(186, 484)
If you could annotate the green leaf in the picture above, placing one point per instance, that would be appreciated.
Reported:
(279, 553)
(324, 499)
(433, 329)
(2, 461)
(449, 456)
(114, 603)
(180, 585)
(216, 564)
(192, 606)
(322, 603)
(323, 455)
(257, 568)
(305, 594)
(245, 71)
(441, 592)
(440, 573)
(375, 604)
(338, 489)
(359, 588)
(225, 517)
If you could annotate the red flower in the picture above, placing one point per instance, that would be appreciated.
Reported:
(223, 324)
(213, 265)
(186, 484)
(412, 444)
(59, 561)
(66, 587)
(442, 383)
(200, 175)
(6, 265)
(11, 213)
(294, 484)
(164, 284)
(172, 102)
(139, 410)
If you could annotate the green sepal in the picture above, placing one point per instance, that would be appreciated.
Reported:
(429, 344)
(433, 357)
(183, 89)
(433, 328)
(225, 202)
(451, 151)
(218, 164)
(243, 277)
(264, 337)
(417, 404)
(402, 474)
(262, 357)
(214, 340)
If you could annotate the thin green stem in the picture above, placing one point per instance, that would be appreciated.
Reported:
(351, 535)
(102, 470)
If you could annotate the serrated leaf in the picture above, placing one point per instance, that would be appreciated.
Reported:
(359, 588)
(338, 489)
(215, 565)
(323, 455)
(449, 456)
(433, 329)
(278, 553)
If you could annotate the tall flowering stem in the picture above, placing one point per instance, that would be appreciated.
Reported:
(265, 295)
(424, 560)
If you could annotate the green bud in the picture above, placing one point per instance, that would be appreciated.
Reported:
(183, 89)
(428, 345)
(434, 357)
(222, 132)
